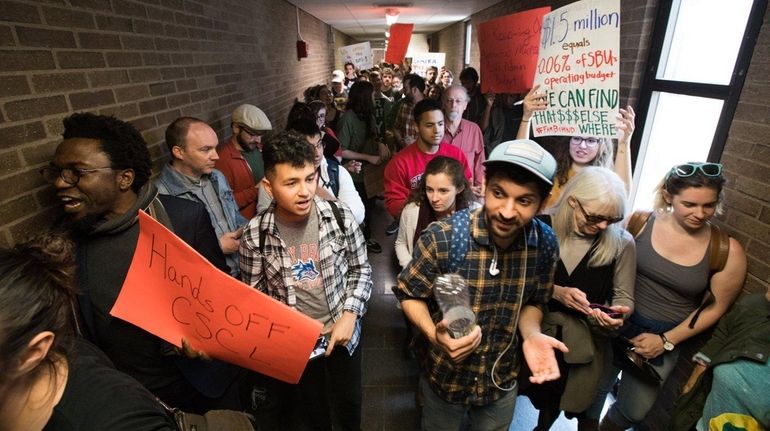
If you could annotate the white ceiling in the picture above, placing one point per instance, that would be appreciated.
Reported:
(365, 19)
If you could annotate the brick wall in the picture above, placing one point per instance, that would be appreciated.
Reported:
(147, 61)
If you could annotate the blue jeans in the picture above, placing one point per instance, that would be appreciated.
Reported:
(439, 415)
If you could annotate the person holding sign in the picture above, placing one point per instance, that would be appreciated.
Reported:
(50, 379)
(311, 255)
(586, 150)
(508, 259)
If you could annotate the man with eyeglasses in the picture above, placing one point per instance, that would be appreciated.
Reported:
(100, 174)
(240, 157)
(190, 174)
(464, 134)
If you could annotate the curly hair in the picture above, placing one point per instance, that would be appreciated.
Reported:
(121, 141)
(287, 147)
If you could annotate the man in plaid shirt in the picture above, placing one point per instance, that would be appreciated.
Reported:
(310, 254)
(509, 265)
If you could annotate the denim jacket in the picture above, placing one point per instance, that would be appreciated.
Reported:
(169, 182)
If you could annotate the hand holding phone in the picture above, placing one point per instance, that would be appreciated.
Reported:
(320, 347)
(606, 310)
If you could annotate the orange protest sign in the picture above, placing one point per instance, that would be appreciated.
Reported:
(172, 292)
(398, 42)
(509, 47)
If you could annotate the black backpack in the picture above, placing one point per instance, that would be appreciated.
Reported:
(334, 175)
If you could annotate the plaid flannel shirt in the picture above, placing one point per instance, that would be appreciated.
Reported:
(347, 275)
(404, 122)
(494, 300)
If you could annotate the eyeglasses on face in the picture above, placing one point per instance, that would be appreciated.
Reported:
(70, 176)
(590, 142)
(596, 219)
(250, 132)
(688, 169)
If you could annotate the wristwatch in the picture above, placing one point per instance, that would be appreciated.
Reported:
(667, 345)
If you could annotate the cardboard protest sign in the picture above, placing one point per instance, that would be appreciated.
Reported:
(509, 47)
(359, 54)
(579, 69)
(423, 60)
(172, 292)
(398, 42)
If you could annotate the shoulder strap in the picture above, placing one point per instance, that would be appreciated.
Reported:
(637, 221)
(337, 215)
(719, 248)
(158, 212)
(458, 247)
(334, 175)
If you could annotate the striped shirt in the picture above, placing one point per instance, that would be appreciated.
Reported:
(347, 275)
(494, 300)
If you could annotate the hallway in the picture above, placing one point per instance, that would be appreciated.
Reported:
(389, 378)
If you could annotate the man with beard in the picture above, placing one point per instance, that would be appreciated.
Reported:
(403, 129)
(508, 259)
(191, 175)
(464, 134)
(240, 157)
(101, 173)
(405, 169)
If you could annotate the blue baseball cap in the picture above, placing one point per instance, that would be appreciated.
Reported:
(527, 154)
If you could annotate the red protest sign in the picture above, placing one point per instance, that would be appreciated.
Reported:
(398, 42)
(509, 47)
(172, 292)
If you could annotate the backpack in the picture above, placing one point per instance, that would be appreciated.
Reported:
(719, 249)
(334, 176)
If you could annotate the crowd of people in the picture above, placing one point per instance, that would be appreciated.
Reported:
(557, 270)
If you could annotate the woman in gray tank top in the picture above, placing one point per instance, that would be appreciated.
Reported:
(672, 276)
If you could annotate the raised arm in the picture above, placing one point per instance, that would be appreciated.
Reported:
(622, 165)
(533, 101)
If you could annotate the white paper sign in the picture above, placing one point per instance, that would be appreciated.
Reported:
(578, 68)
(423, 60)
(359, 54)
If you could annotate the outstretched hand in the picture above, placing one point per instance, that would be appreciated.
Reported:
(539, 353)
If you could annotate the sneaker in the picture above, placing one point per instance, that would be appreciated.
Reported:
(373, 246)
(392, 228)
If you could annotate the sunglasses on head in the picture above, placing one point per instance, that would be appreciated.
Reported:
(688, 169)
(596, 219)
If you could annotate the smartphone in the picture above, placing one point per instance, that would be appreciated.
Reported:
(607, 310)
(320, 347)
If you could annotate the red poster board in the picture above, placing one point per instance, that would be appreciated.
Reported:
(398, 42)
(509, 47)
(172, 292)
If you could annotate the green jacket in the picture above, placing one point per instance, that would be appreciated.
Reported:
(742, 333)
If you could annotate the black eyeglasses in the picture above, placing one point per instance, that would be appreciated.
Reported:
(688, 169)
(596, 219)
(70, 176)
(590, 142)
(250, 132)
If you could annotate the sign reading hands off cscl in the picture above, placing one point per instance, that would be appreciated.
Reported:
(509, 47)
(359, 54)
(173, 292)
(578, 68)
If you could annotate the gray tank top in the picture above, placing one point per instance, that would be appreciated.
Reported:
(664, 290)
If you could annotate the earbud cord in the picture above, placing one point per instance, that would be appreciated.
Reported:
(522, 281)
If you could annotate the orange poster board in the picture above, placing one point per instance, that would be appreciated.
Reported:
(398, 42)
(509, 47)
(173, 292)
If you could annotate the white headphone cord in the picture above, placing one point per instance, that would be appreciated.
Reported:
(522, 281)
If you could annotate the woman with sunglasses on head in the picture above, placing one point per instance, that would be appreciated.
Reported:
(583, 151)
(678, 294)
(49, 379)
(593, 293)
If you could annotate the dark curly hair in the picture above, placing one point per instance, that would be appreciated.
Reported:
(452, 169)
(121, 141)
(287, 147)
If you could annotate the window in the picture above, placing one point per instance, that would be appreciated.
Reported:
(468, 30)
(699, 56)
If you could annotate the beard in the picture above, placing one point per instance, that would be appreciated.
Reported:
(453, 116)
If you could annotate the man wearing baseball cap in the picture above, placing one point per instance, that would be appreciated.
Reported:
(507, 258)
(338, 84)
(240, 157)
